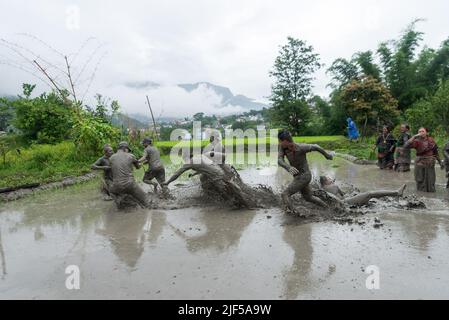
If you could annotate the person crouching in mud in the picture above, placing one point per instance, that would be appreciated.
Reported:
(361, 199)
(124, 184)
(296, 154)
(216, 178)
(104, 164)
(155, 167)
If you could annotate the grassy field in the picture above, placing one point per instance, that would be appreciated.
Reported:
(250, 141)
(42, 164)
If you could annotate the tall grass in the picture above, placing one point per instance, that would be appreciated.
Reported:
(43, 163)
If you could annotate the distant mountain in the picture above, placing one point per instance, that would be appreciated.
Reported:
(142, 85)
(128, 121)
(146, 119)
(228, 98)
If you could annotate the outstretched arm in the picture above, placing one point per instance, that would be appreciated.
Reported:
(98, 165)
(176, 175)
(95, 167)
(409, 143)
(317, 148)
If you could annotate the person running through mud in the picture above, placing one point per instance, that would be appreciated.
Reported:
(155, 167)
(103, 163)
(216, 152)
(446, 162)
(124, 184)
(216, 179)
(296, 154)
(361, 199)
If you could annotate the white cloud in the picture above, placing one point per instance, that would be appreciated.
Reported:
(229, 43)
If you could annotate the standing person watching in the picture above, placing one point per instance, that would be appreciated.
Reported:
(426, 156)
(385, 144)
(403, 155)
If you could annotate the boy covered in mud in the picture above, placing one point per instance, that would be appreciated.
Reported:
(104, 164)
(124, 184)
(361, 199)
(155, 167)
(216, 179)
(446, 162)
(296, 154)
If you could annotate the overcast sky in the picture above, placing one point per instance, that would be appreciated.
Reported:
(228, 43)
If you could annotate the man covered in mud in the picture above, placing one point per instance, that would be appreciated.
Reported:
(296, 154)
(361, 199)
(124, 184)
(217, 179)
(103, 164)
(216, 152)
(156, 168)
(446, 162)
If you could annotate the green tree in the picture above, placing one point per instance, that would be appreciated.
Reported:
(44, 119)
(292, 115)
(293, 71)
(432, 112)
(198, 116)
(6, 113)
(370, 103)
(343, 71)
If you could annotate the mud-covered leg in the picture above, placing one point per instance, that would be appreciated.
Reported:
(148, 179)
(364, 198)
(308, 196)
(136, 191)
(294, 187)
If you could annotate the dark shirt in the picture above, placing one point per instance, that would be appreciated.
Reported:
(403, 138)
(384, 143)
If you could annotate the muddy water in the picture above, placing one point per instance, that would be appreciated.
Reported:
(214, 253)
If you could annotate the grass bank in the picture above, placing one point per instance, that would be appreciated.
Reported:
(42, 164)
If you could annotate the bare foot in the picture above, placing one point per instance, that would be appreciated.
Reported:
(401, 190)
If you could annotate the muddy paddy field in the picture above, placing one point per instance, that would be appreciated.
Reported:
(211, 252)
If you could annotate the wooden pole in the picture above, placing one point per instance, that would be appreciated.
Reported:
(70, 78)
(152, 117)
(49, 78)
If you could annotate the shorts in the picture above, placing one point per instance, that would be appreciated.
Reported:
(156, 173)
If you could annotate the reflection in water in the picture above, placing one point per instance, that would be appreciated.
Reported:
(125, 232)
(2, 257)
(158, 222)
(297, 277)
(223, 230)
(421, 229)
